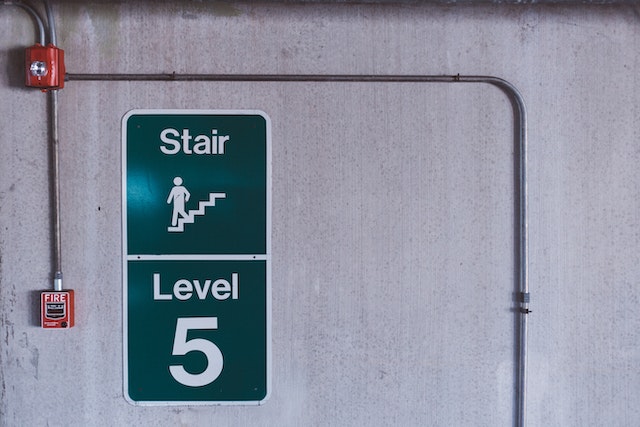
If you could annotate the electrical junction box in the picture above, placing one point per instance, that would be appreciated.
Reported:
(56, 308)
(44, 67)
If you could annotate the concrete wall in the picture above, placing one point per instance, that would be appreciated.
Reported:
(393, 205)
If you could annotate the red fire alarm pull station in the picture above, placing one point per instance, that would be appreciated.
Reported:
(57, 309)
(44, 67)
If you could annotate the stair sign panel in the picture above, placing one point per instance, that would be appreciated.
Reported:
(196, 198)
(218, 163)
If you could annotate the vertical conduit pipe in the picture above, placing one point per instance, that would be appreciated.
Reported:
(52, 24)
(523, 239)
(55, 190)
(55, 165)
(520, 137)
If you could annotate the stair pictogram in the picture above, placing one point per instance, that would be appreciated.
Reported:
(191, 215)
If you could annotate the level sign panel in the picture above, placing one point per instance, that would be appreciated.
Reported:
(197, 331)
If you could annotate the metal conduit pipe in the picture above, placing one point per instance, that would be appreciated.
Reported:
(472, 2)
(34, 14)
(520, 142)
(55, 190)
(52, 23)
(55, 165)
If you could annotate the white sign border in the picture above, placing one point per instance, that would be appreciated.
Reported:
(126, 257)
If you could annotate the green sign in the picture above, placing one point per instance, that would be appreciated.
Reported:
(196, 265)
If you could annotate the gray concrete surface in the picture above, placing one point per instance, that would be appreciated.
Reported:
(393, 247)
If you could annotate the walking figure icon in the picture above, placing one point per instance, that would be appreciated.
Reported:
(179, 196)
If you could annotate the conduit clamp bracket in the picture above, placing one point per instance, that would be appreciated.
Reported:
(525, 298)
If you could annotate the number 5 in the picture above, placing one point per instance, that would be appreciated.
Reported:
(211, 351)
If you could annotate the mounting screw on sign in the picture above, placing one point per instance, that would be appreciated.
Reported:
(56, 309)
(44, 67)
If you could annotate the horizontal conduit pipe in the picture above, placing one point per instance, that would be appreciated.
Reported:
(467, 2)
(520, 138)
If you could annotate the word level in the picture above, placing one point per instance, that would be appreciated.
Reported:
(183, 289)
(173, 141)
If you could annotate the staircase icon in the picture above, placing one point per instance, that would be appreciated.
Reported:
(191, 215)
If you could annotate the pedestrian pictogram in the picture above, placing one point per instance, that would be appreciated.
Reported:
(196, 262)
(179, 196)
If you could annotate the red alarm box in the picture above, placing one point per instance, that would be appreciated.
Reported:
(56, 309)
(44, 67)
